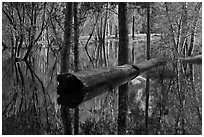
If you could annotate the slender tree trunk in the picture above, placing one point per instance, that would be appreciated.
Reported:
(66, 112)
(116, 31)
(197, 9)
(182, 45)
(122, 59)
(148, 31)
(184, 27)
(76, 38)
(190, 51)
(104, 35)
(192, 39)
(148, 57)
(76, 62)
(133, 26)
(171, 28)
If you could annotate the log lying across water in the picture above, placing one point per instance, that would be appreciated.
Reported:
(74, 89)
(79, 87)
(192, 60)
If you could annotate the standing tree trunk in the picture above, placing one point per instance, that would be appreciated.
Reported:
(182, 46)
(66, 112)
(76, 63)
(148, 57)
(192, 38)
(133, 26)
(122, 59)
(116, 31)
(184, 28)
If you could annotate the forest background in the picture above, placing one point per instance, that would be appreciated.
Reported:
(32, 39)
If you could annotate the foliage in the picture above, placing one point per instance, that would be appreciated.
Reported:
(32, 37)
(101, 127)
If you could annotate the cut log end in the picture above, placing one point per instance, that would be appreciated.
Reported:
(70, 90)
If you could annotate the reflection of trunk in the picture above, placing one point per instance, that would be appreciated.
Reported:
(101, 33)
(195, 101)
(76, 62)
(87, 42)
(162, 105)
(159, 131)
(179, 127)
(99, 56)
(116, 49)
(65, 112)
(133, 53)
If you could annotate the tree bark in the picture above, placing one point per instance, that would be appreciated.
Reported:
(76, 62)
(133, 26)
(122, 59)
(85, 85)
(148, 57)
(116, 31)
(66, 112)
(192, 38)
(76, 38)
(171, 28)
(192, 60)
(197, 9)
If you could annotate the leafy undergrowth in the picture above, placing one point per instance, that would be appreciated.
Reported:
(31, 122)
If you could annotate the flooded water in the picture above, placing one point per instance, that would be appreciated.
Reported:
(17, 77)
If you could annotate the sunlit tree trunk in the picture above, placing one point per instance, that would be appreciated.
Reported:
(76, 62)
(66, 112)
(148, 57)
(184, 27)
(122, 59)
(192, 38)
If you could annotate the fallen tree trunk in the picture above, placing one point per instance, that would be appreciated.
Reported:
(73, 89)
(79, 87)
(192, 60)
